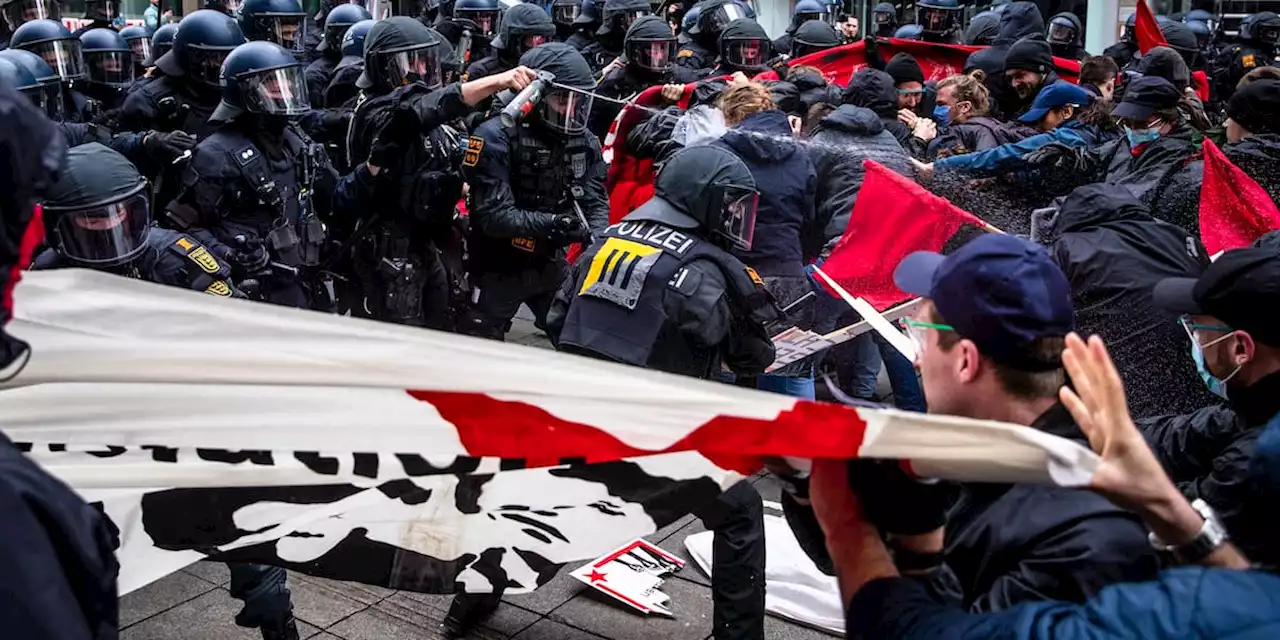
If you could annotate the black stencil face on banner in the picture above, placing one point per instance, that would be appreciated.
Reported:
(111, 452)
(161, 454)
(236, 457)
(405, 491)
(416, 465)
(202, 519)
(326, 465)
(663, 499)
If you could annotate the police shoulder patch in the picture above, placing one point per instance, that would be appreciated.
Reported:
(219, 288)
(197, 254)
(684, 53)
(755, 277)
(471, 157)
(1249, 60)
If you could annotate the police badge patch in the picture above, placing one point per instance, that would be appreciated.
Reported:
(471, 157)
(579, 163)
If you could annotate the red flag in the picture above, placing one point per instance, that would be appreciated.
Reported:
(1147, 30)
(1234, 209)
(893, 217)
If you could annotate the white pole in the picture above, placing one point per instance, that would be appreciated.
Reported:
(1104, 25)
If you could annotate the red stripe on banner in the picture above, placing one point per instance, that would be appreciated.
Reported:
(32, 236)
(621, 597)
(489, 427)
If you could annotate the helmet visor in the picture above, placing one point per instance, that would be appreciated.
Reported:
(205, 65)
(485, 20)
(1061, 33)
(288, 31)
(62, 55)
(528, 42)
(802, 18)
(653, 55)
(738, 223)
(141, 48)
(566, 111)
(565, 14)
(882, 17)
(724, 14)
(20, 11)
(105, 234)
(113, 68)
(39, 97)
(746, 54)
(413, 65)
(934, 19)
(109, 9)
(628, 18)
(801, 49)
(1269, 35)
(278, 92)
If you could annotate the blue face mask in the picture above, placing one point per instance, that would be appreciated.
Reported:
(942, 115)
(1138, 137)
(1217, 386)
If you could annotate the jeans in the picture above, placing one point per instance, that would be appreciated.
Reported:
(787, 386)
(265, 595)
(859, 371)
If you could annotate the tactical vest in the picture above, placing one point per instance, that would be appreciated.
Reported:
(277, 198)
(617, 306)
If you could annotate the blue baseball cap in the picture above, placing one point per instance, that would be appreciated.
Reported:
(1058, 94)
(1000, 291)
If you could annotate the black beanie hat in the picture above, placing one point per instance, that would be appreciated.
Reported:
(1256, 106)
(904, 68)
(1031, 54)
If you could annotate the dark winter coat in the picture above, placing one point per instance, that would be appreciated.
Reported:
(1113, 253)
(972, 135)
(787, 182)
(1019, 20)
(838, 146)
(1259, 156)
(814, 89)
(875, 90)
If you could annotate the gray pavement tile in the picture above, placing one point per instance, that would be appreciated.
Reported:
(781, 629)
(321, 603)
(551, 630)
(358, 591)
(208, 617)
(215, 572)
(306, 631)
(550, 595)
(595, 612)
(167, 592)
(662, 534)
(428, 611)
(770, 488)
(674, 545)
(325, 635)
(372, 624)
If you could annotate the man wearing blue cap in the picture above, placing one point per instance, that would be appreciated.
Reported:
(989, 339)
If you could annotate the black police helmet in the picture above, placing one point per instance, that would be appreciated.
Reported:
(98, 212)
(1264, 29)
(336, 23)
(263, 78)
(481, 14)
(398, 51)
(17, 12)
(588, 14)
(108, 60)
(139, 39)
(619, 15)
(161, 43)
(650, 45)
(101, 10)
(562, 110)
(745, 46)
(52, 41)
(806, 10)
(353, 39)
(280, 21)
(704, 188)
(565, 12)
(1063, 28)
(50, 83)
(812, 37)
(524, 27)
(938, 16)
(202, 42)
(714, 16)
(22, 80)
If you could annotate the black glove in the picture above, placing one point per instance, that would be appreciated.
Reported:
(896, 502)
(388, 150)
(169, 145)
(247, 256)
(1049, 156)
(567, 229)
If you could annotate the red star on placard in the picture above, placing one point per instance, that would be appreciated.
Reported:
(596, 576)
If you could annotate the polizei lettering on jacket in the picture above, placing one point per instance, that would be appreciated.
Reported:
(655, 235)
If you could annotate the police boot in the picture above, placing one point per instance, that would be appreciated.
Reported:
(287, 630)
(468, 610)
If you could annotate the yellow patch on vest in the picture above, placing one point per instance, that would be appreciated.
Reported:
(684, 53)
(613, 259)
(1249, 60)
(755, 277)
(219, 288)
(475, 144)
(202, 257)
(525, 244)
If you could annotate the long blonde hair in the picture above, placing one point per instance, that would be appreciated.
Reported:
(970, 88)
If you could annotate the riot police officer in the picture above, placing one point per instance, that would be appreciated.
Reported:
(1259, 43)
(475, 22)
(280, 21)
(939, 20)
(258, 183)
(1124, 50)
(139, 41)
(342, 87)
(320, 72)
(812, 37)
(523, 27)
(17, 12)
(618, 17)
(648, 59)
(185, 96)
(704, 34)
(660, 291)
(52, 41)
(804, 11)
(1063, 34)
(109, 69)
(407, 177)
(584, 26)
(100, 14)
(537, 185)
(161, 43)
(50, 98)
(884, 18)
(563, 14)
(744, 47)
(98, 216)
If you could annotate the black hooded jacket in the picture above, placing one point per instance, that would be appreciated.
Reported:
(976, 134)
(875, 90)
(1019, 20)
(983, 29)
(1259, 156)
(1113, 253)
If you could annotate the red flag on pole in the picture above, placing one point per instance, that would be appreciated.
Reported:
(1147, 32)
(1234, 209)
(893, 217)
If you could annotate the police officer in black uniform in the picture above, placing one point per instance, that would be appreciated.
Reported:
(342, 88)
(139, 41)
(648, 59)
(98, 216)
(18, 12)
(1063, 33)
(939, 20)
(1123, 51)
(1259, 43)
(563, 14)
(618, 17)
(804, 11)
(744, 47)
(258, 183)
(52, 41)
(100, 14)
(659, 290)
(812, 37)
(537, 185)
(280, 21)
(703, 48)
(184, 97)
(402, 194)
(469, 31)
(320, 72)
(523, 27)
(109, 70)
(584, 26)
(884, 20)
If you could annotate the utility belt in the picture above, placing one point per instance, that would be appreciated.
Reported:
(392, 272)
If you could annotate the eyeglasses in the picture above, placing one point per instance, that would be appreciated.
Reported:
(910, 92)
(1193, 330)
(915, 331)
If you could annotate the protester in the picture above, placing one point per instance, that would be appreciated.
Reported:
(1164, 62)
(1253, 133)
(1098, 76)
(1028, 68)
(875, 90)
(968, 127)
(1019, 20)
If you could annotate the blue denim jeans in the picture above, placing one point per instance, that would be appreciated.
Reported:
(858, 373)
(787, 386)
(264, 593)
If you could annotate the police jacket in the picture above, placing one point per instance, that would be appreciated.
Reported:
(579, 40)
(126, 144)
(521, 178)
(318, 74)
(171, 258)
(492, 64)
(599, 56)
(1122, 52)
(975, 134)
(58, 567)
(658, 297)
(1246, 59)
(1013, 543)
(342, 89)
(693, 55)
(168, 104)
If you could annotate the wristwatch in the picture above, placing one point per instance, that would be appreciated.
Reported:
(1211, 537)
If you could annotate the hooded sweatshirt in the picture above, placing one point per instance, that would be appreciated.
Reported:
(876, 90)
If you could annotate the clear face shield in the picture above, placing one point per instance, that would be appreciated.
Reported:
(109, 9)
(566, 111)
(934, 20)
(724, 14)
(882, 18)
(400, 68)
(746, 54)
(205, 65)
(802, 18)
(652, 55)
(738, 222)
(141, 48)
(485, 21)
(63, 56)
(106, 234)
(113, 68)
(278, 92)
(565, 14)
(628, 18)
(288, 31)
(20, 11)
(1269, 35)
(1061, 33)
(39, 97)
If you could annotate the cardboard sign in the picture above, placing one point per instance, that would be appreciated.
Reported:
(632, 574)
